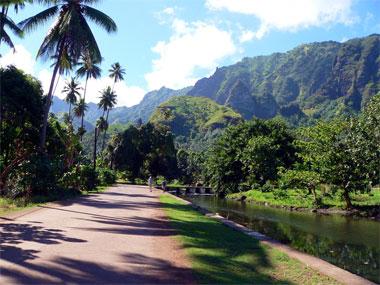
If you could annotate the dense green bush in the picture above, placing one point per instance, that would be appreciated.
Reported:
(88, 178)
(106, 176)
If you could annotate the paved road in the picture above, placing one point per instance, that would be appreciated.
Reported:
(120, 236)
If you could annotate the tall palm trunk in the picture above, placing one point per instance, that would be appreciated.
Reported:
(96, 131)
(70, 111)
(105, 131)
(48, 102)
(84, 100)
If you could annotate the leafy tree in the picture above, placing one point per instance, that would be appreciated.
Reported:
(70, 35)
(100, 126)
(338, 151)
(21, 109)
(107, 102)
(72, 91)
(250, 153)
(148, 150)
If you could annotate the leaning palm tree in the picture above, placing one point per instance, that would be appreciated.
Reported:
(72, 91)
(78, 111)
(65, 68)
(117, 73)
(70, 34)
(107, 102)
(90, 70)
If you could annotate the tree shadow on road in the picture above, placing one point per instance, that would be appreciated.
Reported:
(13, 234)
(133, 269)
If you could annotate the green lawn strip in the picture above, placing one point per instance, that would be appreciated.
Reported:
(8, 205)
(222, 255)
(299, 198)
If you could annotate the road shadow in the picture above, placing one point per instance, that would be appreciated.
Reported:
(13, 234)
(133, 269)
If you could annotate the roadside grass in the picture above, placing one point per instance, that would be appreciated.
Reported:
(9, 205)
(299, 198)
(222, 255)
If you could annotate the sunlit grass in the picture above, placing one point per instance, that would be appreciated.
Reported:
(299, 198)
(222, 255)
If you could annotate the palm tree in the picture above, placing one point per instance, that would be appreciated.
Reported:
(117, 73)
(70, 34)
(107, 102)
(72, 89)
(7, 22)
(100, 126)
(66, 66)
(90, 70)
(78, 111)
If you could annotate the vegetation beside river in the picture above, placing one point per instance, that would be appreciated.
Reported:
(216, 257)
(367, 204)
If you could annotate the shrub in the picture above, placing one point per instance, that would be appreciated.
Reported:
(106, 177)
(88, 178)
(266, 188)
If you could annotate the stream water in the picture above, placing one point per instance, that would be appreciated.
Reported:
(350, 243)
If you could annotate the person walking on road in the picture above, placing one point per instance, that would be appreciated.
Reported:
(150, 181)
(164, 185)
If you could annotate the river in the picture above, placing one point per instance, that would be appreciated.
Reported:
(350, 243)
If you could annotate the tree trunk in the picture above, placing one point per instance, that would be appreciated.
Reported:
(84, 101)
(95, 149)
(105, 131)
(347, 198)
(314, 193)
(48, 102)
(70, 112)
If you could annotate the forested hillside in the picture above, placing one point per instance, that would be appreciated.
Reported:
(312, 81)
(317, 80)
(194, 119)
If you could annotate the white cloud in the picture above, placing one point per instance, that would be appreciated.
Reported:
(22, 59)
(192, 45)
(246, 36)
(344, 39)
(289, 15)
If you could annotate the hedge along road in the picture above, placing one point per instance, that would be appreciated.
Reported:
(117, 236)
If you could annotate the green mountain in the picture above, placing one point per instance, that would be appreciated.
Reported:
(311, 81)
(194, 119)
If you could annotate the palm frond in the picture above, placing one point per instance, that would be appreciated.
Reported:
(100, 19)
(33, 22)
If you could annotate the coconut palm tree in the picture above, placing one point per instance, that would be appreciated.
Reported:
(107, 102)
(7, 22)
(117, 73)
(66, 67)
(100, 125)
(70, 34)
(72, 91)
(78, 111)
(89, 69)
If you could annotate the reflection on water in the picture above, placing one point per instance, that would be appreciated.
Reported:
(350, 243)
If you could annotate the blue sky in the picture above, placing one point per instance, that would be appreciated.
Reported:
(173, 43)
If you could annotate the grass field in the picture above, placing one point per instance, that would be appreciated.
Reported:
(222, 255)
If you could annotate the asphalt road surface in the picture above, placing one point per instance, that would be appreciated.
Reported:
(120, 236)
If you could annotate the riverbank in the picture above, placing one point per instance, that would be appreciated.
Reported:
(222, 255)
(365, 205)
